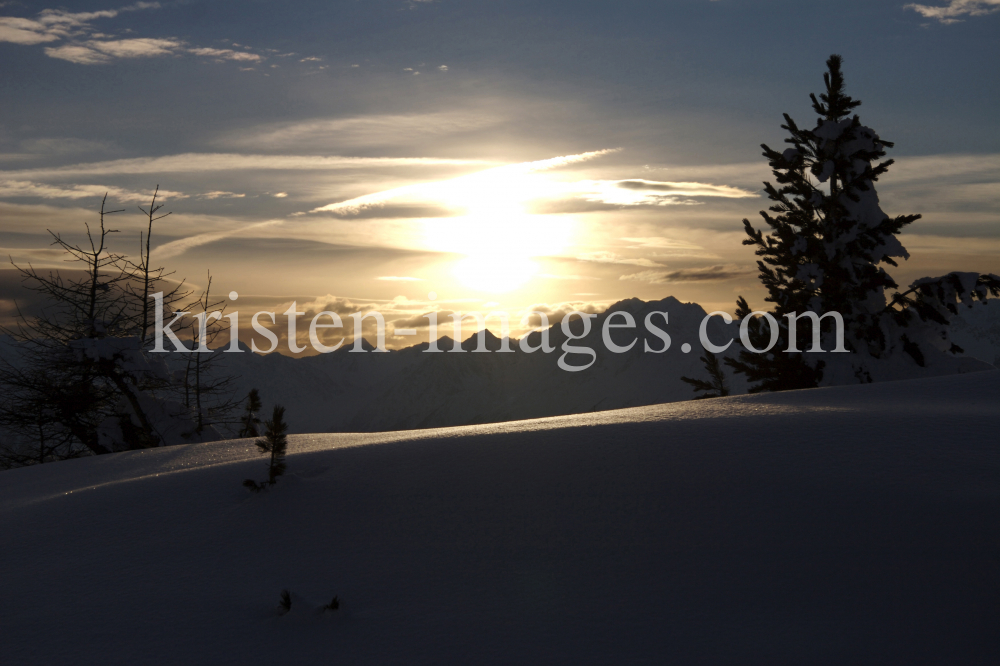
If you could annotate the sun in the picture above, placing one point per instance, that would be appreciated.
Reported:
(497, 237)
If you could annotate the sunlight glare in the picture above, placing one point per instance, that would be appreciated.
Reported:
(497, 236)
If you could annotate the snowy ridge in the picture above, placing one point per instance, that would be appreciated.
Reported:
(409, 388)
(837, 525)
(406, 389)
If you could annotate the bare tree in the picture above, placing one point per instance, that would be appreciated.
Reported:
(146, 280)
(81, 380)
(206, 390)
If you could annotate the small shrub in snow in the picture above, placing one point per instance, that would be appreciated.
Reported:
(275, 443)
(285, 602)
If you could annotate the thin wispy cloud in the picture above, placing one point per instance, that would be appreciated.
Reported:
(202, 162)
(605, 257)
(514, 183)
(703, 274)
(553, 276)
(182, 245)
(95, 52)
(226, 54)
(660, 243)
(943, 167)
(443, 189)
(221, 194)
(955, 9)
(367, 131)
(640, 192)
(24, 188)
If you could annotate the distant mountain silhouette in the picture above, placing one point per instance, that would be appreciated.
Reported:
(411, 388)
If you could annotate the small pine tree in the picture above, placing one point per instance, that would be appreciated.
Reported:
(249, 422)
(284, 602)
(275, 443)
(716, 387)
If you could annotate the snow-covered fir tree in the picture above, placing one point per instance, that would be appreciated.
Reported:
(827, 251)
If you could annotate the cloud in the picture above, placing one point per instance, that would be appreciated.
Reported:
(640, 192)
(80, 55)
(54, 24)
(25, 31)
(367, 131)
(95, 52)
(177, 247)
(556, 311)
(23, 188)
(220, 194)
(659, 242)
(330, 303)
(443, 188)
(226, 54)
(343, 307)
(705, 274)
(514, 185)
(39, 257)
(142, 47)
(87, 47)
(396, 278)
(605, 257)
(936, 168)
(950, 12)
(201, 162)
(551, 276)
(421, 321)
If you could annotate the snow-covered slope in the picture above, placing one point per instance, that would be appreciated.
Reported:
(845, 525)
(977, 331)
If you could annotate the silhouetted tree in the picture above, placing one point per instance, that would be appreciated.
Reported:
(250, 421)
(275, 443)
(716, 387)
(206, 391)
(827, 249)
(79, 364)
(80, 378)
(145, 279)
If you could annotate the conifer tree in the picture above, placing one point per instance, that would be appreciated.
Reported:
(716, 387)
(275, 443)
(249, 422)
(827, 249)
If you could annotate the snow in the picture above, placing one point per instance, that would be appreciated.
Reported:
(410, 388)
(853, 524)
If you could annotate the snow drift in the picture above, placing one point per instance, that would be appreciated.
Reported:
(836, 525)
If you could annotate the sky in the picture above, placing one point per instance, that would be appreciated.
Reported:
(487, 155)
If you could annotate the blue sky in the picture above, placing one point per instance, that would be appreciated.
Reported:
(500, 154)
